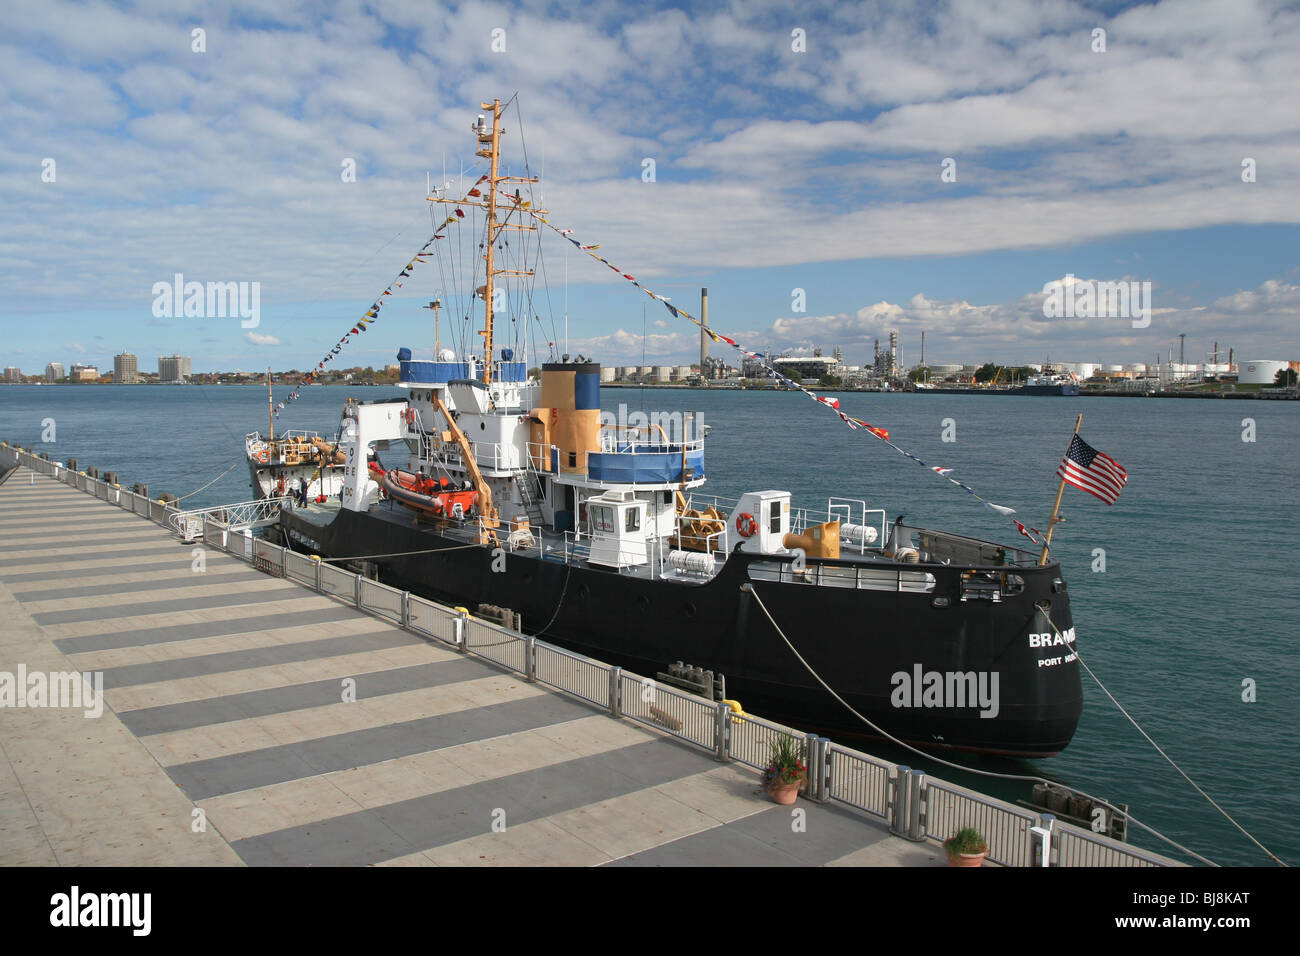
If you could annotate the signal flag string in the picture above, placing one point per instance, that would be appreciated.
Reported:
(372, 314)
(1033, 534)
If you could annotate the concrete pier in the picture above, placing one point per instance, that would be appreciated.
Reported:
(228, 735)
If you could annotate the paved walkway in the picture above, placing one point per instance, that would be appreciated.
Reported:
(225, 693)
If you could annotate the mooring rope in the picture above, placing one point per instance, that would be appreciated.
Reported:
(947, 763)
(1136, 726)
(210, 483)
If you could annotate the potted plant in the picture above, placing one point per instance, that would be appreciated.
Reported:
(786, 772)
(966, 847)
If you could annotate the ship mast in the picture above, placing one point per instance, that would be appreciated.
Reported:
(270, 407)
(493, 154)
(489, 139)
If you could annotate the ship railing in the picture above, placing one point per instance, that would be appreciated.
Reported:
(717, 542)
(538, 456)
(861, 577)
(613, 445)
(846, 510)
(913, 805)
(944, 547)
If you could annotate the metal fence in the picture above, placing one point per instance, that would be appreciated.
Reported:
(383, 600)
(574, 674)
(915, 806)
(858, 780)
(1004, 827)
(1075, 847)
(668, 709)
(495, 643)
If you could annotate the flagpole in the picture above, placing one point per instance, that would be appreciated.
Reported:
(1056, 508)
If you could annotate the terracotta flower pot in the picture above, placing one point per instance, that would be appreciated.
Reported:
(966, 859)
(785, 793)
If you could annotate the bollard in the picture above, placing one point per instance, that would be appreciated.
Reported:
(530, 660)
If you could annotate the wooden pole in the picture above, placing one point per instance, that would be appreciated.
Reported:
(1056, 508)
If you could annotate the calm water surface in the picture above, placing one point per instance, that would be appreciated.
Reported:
(1202, 554)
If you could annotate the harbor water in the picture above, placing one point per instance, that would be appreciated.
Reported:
(1184, 594)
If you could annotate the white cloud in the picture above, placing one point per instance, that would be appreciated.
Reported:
(258, 339)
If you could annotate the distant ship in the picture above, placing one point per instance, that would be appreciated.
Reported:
(1048, 383)
(295, 464)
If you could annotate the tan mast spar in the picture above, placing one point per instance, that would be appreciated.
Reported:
(492, 153)
(1051, 524)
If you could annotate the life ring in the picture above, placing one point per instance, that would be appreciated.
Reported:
(264, 456)
(279, 485)
(746, 525)
(410, 416)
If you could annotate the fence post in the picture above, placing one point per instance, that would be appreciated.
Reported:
(812, 765)
(915, 826)
(721, 731)
(320, 584)
(1042, 837)
(459, 627)
(356, 590)
(406, 609)
(898, 813)
(615, 686)
(825, 749)
(530, 660)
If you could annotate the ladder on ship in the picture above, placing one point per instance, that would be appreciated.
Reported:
(532, 507)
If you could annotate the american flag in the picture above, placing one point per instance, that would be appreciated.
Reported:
(1085, 467)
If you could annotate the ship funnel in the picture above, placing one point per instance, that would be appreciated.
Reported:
(569, 416)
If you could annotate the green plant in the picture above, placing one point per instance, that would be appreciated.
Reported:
(785, 762)
(967, 840)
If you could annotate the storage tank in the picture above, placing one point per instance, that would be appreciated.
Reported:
(683, 373)
(664, 374)
(607, 374)
(646, 370)
(1259, 371)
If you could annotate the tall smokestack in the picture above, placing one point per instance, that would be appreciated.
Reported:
(704, 324)
(922, 347)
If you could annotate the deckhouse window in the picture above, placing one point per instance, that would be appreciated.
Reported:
(774, 523)
(602, 519)
(633, 519)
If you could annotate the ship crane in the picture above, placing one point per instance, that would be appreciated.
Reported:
(487, 510)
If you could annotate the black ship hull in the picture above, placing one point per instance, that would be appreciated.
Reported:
(878, 649)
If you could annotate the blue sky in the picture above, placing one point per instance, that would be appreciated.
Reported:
(775, 169)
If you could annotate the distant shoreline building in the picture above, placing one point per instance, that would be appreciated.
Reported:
(84, 373)
(54, 372)
(13, 375)
(173, 369)
(125, 369)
